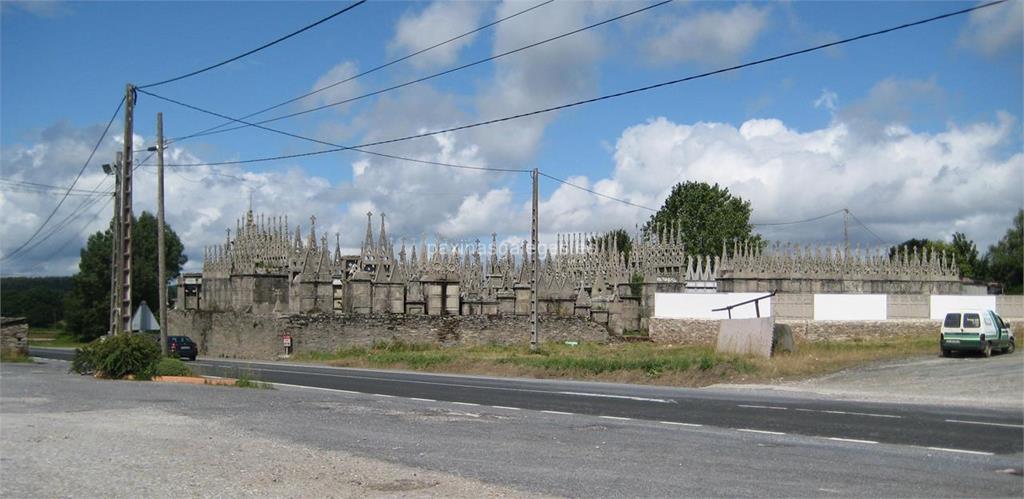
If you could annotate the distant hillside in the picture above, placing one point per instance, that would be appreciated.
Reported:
(39, 299)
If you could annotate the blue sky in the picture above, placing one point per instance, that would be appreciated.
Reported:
(887, 127)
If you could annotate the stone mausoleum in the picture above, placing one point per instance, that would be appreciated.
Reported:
(268, 270)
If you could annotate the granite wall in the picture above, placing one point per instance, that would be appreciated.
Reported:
(249, 336)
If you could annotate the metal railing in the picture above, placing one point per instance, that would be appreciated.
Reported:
(755, 301)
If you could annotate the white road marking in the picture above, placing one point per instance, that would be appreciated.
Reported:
(985, 423)
(681, 424)
(762, 407)
(853, 413)
(466, 403)
(760, 431)
(558, 412)
(626, 397)
(383, 395)
(422, 400)
(854, 440)
(303, 386)
(505, 407)
(962, 451)
(616, 418)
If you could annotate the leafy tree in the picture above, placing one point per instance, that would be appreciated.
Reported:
(709, 215)
(966, 253)
(616, 238)
(1006, 258)
(39, 299)
(87, 309)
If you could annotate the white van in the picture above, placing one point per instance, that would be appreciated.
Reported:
(975, 331)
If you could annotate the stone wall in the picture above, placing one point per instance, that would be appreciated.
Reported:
(1011, 307)
(249, 336)
(13, 335)
(704, 332)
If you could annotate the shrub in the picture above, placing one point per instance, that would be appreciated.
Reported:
(171, 367)
(118, 356)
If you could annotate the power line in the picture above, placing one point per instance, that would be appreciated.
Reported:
(80, 172)
(323, 142)
(570, 184)
(257, 49)
(364, 73)
(799, 221)
(867, 229)
(616, 94)
(442, 73)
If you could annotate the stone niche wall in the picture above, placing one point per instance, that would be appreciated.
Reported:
(249, 336)
(705, 332)
(13, 335)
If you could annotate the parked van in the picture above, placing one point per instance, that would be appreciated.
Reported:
(975, 331)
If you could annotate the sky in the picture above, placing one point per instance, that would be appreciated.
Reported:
(918, 133)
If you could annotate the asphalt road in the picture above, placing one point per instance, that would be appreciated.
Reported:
(70, 435)
(952, 429)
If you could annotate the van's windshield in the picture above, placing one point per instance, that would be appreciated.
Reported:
(952, 320)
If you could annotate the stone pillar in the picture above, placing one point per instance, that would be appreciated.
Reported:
(522, 303)
(451, 298)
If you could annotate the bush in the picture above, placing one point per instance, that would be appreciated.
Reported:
(118, 356)
(171, 367)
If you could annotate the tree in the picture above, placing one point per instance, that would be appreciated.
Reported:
(1005, 259)
(87, 309)
(966, 253)
(709, 216)
(617, 238)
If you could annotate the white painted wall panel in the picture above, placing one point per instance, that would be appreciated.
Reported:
(941, 304)
(699, 305)
(850, 307)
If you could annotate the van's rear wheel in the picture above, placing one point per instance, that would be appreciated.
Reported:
(986, 351)
(946, 352)
(1010, 347)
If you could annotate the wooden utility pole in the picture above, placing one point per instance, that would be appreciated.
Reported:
(161, 263)
(533, 265)
(125, 250)
(115, 244)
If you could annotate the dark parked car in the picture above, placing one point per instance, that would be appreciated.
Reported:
(182, 347)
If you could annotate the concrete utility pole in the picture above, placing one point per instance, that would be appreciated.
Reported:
(124, 325)
(533, 265)
(115, 242)
(161, 272)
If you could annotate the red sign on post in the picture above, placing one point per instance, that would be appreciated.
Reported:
(287, 340)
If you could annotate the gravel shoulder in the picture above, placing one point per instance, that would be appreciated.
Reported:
(974, 381)
(60, 448)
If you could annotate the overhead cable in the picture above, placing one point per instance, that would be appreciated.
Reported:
(800, 221)
(442, 73)
(331, 144)
(570, 184)
(257, 49)
(66, 194)
(616, 94)
(368, 71)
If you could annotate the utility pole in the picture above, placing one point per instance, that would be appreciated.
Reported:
(533, 265)
(125, 237)
(161, 271)
(115, 242)
(846, 231)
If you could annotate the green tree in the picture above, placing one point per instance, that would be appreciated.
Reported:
(87, 309)
(1005, 259)
(616, 238)
(709, 215)
(966, 253)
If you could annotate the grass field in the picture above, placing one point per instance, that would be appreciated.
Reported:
(630, 362)
(51, 337)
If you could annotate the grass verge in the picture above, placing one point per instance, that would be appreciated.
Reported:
(51, 337)
(13, 356)
(630, 362)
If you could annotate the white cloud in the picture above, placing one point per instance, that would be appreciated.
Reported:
(904, 184)
(440, 21)
(827, 100)
(708, 36)
(991, 30)
(337, 93)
